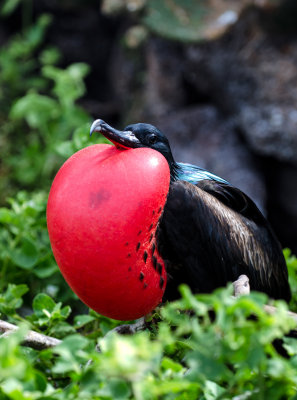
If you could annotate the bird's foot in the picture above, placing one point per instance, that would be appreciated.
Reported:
(126, 329)
(241, 286)
(130, 329)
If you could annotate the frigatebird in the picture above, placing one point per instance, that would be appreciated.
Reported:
(210, 232)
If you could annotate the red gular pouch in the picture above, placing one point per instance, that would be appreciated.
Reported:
(102, 214)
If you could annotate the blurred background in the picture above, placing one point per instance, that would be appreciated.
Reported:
(218, 77)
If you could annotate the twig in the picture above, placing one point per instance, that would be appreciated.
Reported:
(33, 339)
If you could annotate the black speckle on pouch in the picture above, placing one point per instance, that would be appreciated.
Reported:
(141, 276)
(137, 246)
(153, 248)
(129, 255)
(139, 233)
(154, 261)
(151, 237)
(145, 285)
(127, 244)
(154, 212)
(160, 209)
(159, 268)
(161, 282)
(151, 227)
(129, 269)
(145, 256)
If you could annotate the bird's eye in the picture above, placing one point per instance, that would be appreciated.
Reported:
(152, 139)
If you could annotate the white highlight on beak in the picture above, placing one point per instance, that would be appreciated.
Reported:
(96, 123)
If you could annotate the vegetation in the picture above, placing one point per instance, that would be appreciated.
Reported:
(181, 20)
(206, 346)
(38, 103)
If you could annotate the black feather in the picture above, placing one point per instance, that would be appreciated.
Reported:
(211, 237)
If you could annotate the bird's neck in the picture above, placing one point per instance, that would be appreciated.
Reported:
(174, 169)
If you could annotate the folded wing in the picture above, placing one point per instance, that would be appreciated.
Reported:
(211, 233)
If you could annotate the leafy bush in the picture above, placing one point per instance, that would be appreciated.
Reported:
(207, 347)
(25, 252)
(38, 111)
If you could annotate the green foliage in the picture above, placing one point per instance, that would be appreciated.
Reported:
(11, 299)
(291, 261)
(38, 111)
(18, 66)
(18, 378)
(51, 316)
(50, 120)
(24, 244)
(206, 347)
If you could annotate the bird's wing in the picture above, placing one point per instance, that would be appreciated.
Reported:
(210, 234)
(233, 198)
(194, 174)
(221, 189)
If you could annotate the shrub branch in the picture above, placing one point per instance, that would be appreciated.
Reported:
(32, 339)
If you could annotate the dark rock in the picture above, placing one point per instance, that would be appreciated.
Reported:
(148, 81)
(201, 136)
(271, 129)
(164, 90)
(251, 73)
(282, 202)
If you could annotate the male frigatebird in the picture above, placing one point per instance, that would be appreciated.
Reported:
(210, 232)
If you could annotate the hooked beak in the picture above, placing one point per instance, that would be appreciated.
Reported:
(121, 139)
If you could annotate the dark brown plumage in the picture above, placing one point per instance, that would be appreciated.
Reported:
(211, 233)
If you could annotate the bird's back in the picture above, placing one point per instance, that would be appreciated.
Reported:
(211, 233)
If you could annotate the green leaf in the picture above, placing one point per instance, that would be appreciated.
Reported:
(82, 320)
(25, 256)
(45, 270)
(69, 84)
(50, 56)
(11, 299)
(17, 291)
(9, 6)
(213, 391)
(65, 149)
(43, 305)
(6, 216)
(167, 363)
(290, 345)
(61, 329)
(38, 110)
(119, 389)
(72, 353)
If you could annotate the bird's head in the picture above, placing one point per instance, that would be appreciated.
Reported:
(138, 135)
